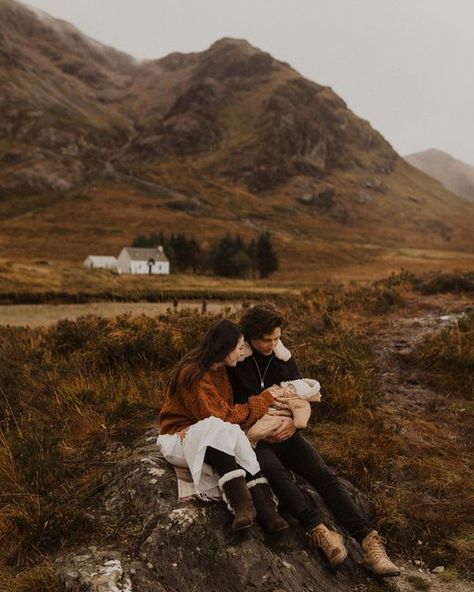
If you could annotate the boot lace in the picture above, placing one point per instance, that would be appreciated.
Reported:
(376, 547)
(324, 541)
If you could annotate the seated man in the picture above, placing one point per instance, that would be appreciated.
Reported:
(289, 450)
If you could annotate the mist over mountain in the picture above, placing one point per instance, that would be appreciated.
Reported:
(98, 147)
(455, 175)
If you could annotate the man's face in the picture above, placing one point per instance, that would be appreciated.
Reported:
(266, 343)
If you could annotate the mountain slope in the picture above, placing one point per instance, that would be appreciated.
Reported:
(96, 148)
(257, 119)
(56, 105)
(455, 175)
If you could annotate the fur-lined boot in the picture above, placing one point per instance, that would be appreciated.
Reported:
(265, 504)
(237, 496)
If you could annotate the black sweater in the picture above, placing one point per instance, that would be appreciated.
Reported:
(246, 379)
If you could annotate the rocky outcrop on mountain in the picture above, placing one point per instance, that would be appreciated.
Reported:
(297, 128)
(191, 126)
(160, 544)
(56, 104)
(241, 135)
(308, 130)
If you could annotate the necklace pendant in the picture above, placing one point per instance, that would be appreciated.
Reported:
(261, 384)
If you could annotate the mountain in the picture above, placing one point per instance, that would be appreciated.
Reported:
(96, 148)
(455, 175)
(58, 88)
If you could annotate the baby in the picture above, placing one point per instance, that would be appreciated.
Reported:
(291, 400)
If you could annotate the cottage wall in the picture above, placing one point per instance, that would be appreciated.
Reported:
(123, 262)
(126, 265)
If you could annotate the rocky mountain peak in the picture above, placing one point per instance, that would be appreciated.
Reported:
(231, 42)
(454, 174)
(233, 117)
(28, 27)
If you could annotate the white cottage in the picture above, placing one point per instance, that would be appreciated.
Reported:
(143, 261)
(100, 262)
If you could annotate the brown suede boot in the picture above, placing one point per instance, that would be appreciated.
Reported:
(237, 496)
(375, 556)
(331, 543)
(265, 504)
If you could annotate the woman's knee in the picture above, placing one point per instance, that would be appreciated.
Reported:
(214, 421)
(218, 423)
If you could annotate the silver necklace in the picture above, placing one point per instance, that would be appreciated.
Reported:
(262, 377)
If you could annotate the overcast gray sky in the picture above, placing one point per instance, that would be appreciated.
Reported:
(405, 65)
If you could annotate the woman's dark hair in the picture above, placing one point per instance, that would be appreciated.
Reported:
(260, 320)
(220, 339)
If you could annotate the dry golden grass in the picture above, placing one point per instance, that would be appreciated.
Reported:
(447, 359)
(390, 232)
(89, 383)
(39, 578)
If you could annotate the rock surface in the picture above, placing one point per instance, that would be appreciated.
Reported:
(167, 545)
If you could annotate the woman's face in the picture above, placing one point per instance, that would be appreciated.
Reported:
(235, 355)
(266, 343)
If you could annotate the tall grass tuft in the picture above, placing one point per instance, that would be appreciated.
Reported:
(446, 358)
(65, 393)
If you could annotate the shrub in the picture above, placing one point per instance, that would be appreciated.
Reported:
(457, 283)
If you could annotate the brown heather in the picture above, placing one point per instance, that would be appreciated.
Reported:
(447, 359)
(72, 391)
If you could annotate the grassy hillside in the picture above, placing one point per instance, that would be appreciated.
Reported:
(96, 148)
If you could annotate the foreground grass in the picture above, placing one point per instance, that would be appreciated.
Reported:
(70, 391)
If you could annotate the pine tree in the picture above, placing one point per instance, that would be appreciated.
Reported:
(140, 241)
(252, 254)
(228, 257)
(267, 258)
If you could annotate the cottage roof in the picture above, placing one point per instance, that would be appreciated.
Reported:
(102, 258)
(141, 254)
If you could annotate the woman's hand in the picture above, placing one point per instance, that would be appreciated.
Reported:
(285, 430)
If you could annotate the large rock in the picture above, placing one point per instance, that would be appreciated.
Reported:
(166, 545)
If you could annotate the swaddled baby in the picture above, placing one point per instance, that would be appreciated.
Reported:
(292, 400)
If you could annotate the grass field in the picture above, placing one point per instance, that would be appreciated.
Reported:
(71, 390)
(52, 280)
(39, 315)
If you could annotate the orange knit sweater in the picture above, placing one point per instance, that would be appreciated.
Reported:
(209, 396)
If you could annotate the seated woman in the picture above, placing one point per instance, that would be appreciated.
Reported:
(200, 424)
(271, 363)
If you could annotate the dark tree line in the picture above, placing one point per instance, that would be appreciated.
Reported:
(228, 256)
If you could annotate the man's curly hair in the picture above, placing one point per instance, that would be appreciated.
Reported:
(260, 320)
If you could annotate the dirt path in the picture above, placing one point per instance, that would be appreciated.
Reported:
(395, 341)
(408, 399)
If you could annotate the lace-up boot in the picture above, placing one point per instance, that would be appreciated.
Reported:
(331, 544)
(375, 556)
